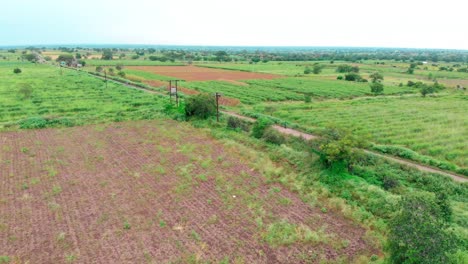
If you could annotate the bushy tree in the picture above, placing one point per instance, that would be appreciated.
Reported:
(376, 87)
(376, 77)
(307, 70)
(344, 68)
(260, 126)
(67, 58)
(352, 76)
(317, 69)
(418, 232)
(107, 54)
(340, 147)
(200, 105)
(16, 70)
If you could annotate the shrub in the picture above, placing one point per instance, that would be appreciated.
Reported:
(99, 69)
(390, 182)
(307, 98)
(237, 124)
(33, 123)
(376, 88)
(418, 233)
(307, 70)
(121, 74)
(339, 77)
(260, 126)
(25, 90)
(317, 69)
(352, 77)
(17, 70)
(271, 135)
(200, 105)
(119, 66)
(343, 68)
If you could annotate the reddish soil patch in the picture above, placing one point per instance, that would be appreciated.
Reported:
(223, 100)
(148, 191)
(194, 73)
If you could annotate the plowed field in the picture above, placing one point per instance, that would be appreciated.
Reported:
(153, 191)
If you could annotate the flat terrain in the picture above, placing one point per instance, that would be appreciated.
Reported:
(193, 73)
(67, 96)
(153, 191)
(433, 126)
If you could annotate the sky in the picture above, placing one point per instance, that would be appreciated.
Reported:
(356, 23)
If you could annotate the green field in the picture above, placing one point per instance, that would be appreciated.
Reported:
(435, 126)
(76, 96)
(96, 62)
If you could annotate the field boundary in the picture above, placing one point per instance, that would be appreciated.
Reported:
(293, 132)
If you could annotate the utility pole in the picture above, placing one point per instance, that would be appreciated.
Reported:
(218, 95)
(105, 75)
(174, 91)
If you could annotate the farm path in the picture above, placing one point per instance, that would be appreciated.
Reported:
(308, 136)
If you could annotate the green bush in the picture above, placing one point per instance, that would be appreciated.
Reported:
(271, 135)
(260, 126)
(418, 233)
(237, 124)
(17, 70)
(33, 123)
(352, 77)
(200, 105)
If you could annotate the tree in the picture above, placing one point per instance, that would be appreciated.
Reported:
(119, 66)
(418, 233)
(343, 68)
(67, 58)
(376, 87)
(307, 70)
(317, 69)
(200, 105)
(107, 55)
(16, 70)
(352, 76)
(340, 147)
(376, 77)
(99, 69)
(260, 126)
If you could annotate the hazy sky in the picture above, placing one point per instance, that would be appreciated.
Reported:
(365, 23)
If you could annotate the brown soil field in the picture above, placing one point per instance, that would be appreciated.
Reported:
(151, 192)
(194, 73)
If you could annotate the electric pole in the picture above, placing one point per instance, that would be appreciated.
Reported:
(218, 95)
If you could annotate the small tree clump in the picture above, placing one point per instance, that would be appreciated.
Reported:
(340, 147)
(418, 233)
(200, 105)
(260, 126)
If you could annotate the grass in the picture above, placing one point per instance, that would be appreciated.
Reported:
(71, 98)
(434, 126)
(95, 62)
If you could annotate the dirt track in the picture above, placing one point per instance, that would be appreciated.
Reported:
(422, 167)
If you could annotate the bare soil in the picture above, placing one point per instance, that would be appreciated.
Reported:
(147, 191)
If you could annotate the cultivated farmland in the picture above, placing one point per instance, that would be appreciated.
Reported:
(154, 191)
(434, 127)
